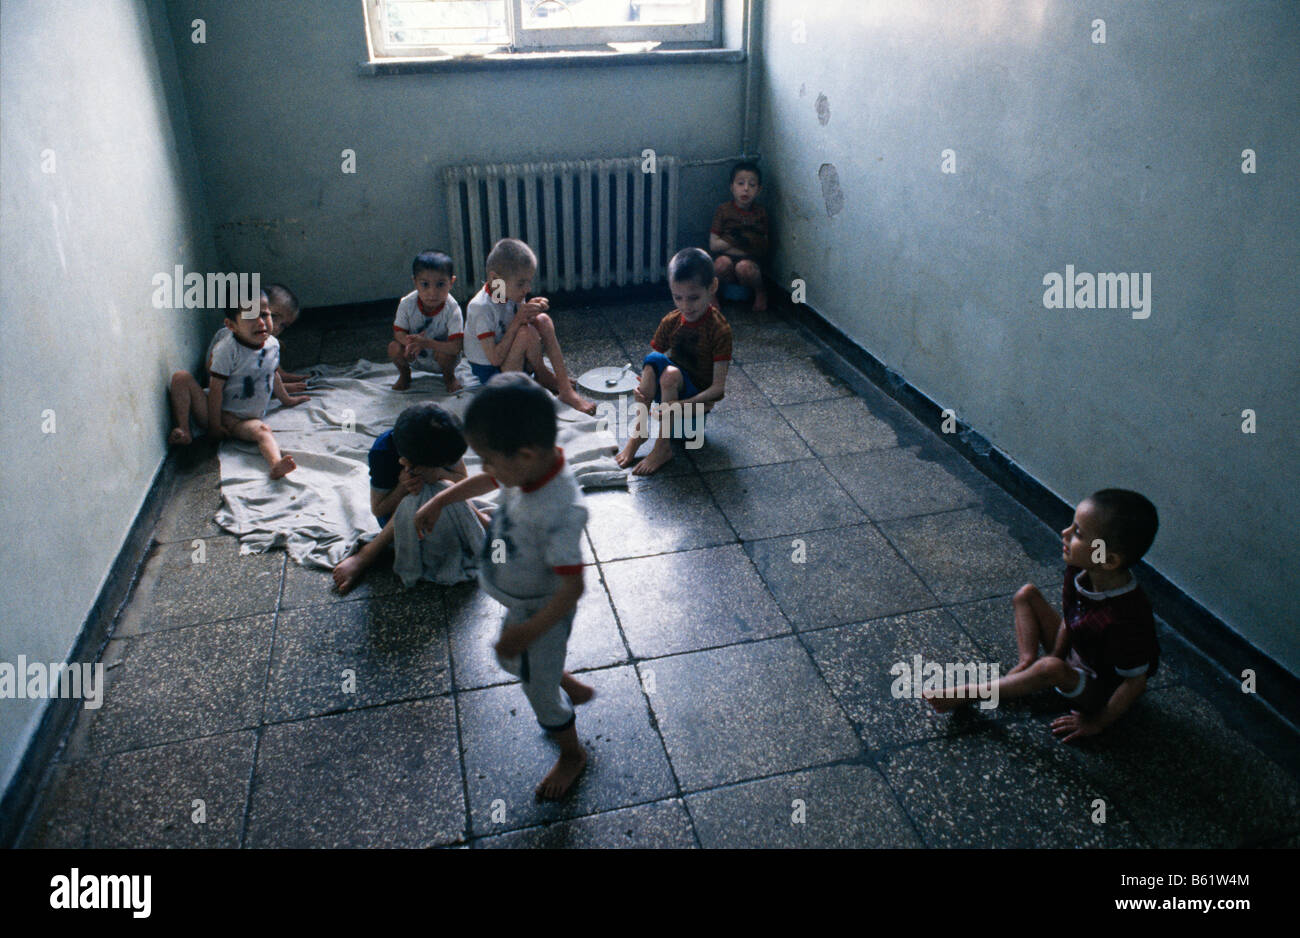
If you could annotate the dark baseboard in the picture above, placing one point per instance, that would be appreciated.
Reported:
(60, 712)
(1226, 648)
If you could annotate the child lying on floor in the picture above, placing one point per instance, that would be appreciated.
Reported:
(423, 451)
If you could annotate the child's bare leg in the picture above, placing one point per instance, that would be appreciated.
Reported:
(724, 269)
(748, 273)
(447, 365)
(634, 441)
(567, 768)
(578, 692)
(350, 570)
(1036, 625)
(564, 389)
(1046, 672)
(188, 400)
(526, 346)
(670, 385)
(254, 431)
(397, 355)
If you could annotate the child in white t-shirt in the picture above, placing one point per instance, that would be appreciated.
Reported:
(243, 380)
(429, 329)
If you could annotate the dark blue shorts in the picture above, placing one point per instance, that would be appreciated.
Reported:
(484, 373)
(659, 361)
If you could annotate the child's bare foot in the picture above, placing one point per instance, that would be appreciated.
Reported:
(657, 458)
(403, 382)
(348, 573)
(577, 402)
(285, 466)
(627, 455)
(578, 692)
(179, 437)
(563, 774)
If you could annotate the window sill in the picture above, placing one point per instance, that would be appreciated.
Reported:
(499, 61)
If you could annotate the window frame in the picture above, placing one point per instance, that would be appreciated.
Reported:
(525, 41)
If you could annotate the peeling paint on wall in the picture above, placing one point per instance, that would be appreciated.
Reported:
(831, 190)
(823, 110)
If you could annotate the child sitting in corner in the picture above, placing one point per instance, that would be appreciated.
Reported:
(284, 312)
(1100, 655)
(738, 236)
(423, 451)
(243, 378)
(687, 367)
(507, 331)
(532, 557)
(429, 329)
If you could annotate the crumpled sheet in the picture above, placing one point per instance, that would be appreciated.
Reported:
(321, 510)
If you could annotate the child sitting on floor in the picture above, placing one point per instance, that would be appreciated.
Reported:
(686, 371)
(507, 331)
(1100, 656)
(429, 329)
(532, 557)
(243, 379)
(284, 313)
(421, 453)
(738, 236)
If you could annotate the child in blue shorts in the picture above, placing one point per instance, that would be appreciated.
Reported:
(691, 352)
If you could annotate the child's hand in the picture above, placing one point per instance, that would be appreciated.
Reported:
(1076, 725)
(409, 481)
(532, 308)
(286, 377)
(426, 518)
(512, 643)
(299, 399)
(295, 387)
(641, 398)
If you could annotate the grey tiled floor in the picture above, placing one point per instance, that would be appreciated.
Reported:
(741, 616)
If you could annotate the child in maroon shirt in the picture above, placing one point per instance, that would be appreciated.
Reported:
(1101, 652)
(738, 237)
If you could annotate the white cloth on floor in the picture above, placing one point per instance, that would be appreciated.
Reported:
(321, 510)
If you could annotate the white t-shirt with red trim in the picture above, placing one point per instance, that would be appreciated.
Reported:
(536, 536)
(443, 324)
(485, 320)
(249, 375)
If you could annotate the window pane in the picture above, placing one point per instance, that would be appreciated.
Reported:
(445, 22)
(561, 14)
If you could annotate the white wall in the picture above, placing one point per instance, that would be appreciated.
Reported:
(1116, 157)
(275, 97)
(79, 247)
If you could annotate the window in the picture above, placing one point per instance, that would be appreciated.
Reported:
(440, 28)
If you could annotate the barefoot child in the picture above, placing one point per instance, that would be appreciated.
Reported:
(508, 331)
(243, 379)
(738, 236)
(417, 457)
(687, 370)
(1100, 656)
(532, 557)
(429, 328)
